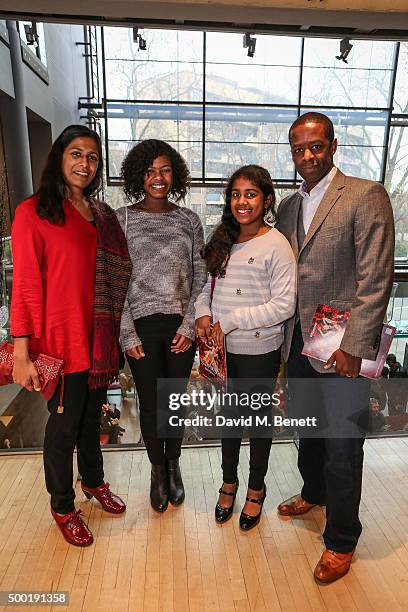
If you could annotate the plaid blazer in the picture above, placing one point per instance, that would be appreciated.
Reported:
(346, 260)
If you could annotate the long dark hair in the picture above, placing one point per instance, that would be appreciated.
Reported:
(218, 248)
(138, 160)
(52, 189)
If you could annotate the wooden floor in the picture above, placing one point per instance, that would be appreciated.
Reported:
(182, 561)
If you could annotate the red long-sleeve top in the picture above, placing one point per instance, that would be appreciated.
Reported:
(54, 283)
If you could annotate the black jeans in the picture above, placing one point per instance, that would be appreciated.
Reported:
(332, 467)
(77, 426)
(249, 366)
(156, 333)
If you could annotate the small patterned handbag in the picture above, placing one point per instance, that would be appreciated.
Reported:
(49, 371)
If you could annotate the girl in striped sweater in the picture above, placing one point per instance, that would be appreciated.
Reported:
(254, 294)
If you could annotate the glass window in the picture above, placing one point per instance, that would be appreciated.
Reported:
(179, 125)
(396, 183)
(171, 67)
(270, 77)
(236, 136)
(363, 82)
(401, 83)
(32, 33)
(245, 105)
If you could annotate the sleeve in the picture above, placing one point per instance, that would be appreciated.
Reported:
(27, 304)
(199, 272)
(374, 272)
(282, 303)
(202, 303)
(128, 336)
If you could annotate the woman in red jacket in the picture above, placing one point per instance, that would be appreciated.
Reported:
(71, 271)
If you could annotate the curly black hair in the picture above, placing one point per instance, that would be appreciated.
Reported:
(52, 190)
(138, 160)
(218, 248)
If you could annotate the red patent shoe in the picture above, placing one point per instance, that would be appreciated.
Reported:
(73, 528)
(108, 500)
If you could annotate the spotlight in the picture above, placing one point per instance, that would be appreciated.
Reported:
(251, 47)
(249, 43)
(31, 33)
(345, 48)
(138, 38)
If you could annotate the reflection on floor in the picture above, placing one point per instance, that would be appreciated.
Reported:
(181, 561)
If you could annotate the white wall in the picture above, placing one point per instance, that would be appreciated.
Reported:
(57, 102)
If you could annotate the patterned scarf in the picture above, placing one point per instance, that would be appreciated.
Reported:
(113, 270)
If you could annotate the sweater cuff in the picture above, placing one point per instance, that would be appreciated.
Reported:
(129, 341)
(202, 310)
(187, 330)
(227, 323)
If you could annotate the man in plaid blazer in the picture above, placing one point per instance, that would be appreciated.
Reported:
(342, 233)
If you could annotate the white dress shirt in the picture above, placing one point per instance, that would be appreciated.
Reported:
(311, 200)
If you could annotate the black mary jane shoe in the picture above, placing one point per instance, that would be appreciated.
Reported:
(223, 514)
(176, 486)
(159, 487)
(246, 521)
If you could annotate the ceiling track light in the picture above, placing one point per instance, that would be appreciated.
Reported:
(345, 48)
(249, 42)
(31, 33)
(138, 38)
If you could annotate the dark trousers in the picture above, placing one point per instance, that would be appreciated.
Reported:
(156, 333)
(332, 467)
(249, 366)
(78, 426)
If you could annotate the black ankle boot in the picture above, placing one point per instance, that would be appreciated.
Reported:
(159, 488)
(176, 487)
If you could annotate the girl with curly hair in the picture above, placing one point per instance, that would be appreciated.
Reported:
(254, 294)
(157, 330)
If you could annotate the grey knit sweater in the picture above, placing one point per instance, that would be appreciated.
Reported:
(168, 271)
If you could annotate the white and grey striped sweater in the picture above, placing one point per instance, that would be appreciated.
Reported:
(168, 271)
(256, 296)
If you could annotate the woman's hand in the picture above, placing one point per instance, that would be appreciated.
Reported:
(203, 328)
(180, 344)
(25, 373)
(136, 352)
(218, 335)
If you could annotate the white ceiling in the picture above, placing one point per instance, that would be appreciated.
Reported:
(364, 15)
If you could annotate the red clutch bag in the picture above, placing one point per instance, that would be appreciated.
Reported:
(49, 371)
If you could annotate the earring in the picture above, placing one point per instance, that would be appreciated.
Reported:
(269, 218)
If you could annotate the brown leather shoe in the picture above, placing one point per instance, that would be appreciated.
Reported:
(295, 505)
(332, 566)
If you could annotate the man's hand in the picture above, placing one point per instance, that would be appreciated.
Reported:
(218, 335)
(203, 328)
(180, 344)
(346, 364)
(136, 352)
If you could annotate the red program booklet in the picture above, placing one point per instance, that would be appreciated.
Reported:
(326, 333)
(213, 361)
